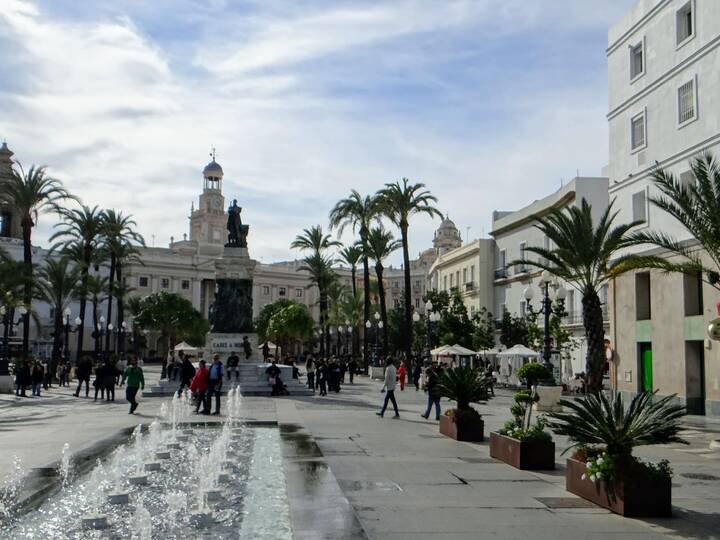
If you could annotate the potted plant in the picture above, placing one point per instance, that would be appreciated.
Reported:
(464, 385)
(522, 443)
(540, 377)
(603, 434)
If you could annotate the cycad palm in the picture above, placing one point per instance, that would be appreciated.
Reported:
(380, 245)
(697, 207)
(58, 285)
(79, 238)
(357, 212)
(31, 194)
(399, 201)
(585, 256)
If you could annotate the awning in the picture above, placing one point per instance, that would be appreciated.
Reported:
(519, 350)
(185, 347)
(462, 351)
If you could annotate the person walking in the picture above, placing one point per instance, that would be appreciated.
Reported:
(490, 379)
(187, 372)
(99, 382)
(389, 388)
(199, 387)
(135, 381)
(432, 388)
(110, 376)
(352, 368)
(217, 371)
(322, 375)
(23, 377)
(401, 372)
(83, 372)
(417, 374)
(37, 378)
(310, 372)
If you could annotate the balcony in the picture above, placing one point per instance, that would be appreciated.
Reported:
(576, 317)
(500, 273)
(469, 286)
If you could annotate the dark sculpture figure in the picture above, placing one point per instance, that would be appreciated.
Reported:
(232, 311)
(237, 232)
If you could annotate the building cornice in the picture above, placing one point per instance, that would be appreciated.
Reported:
(635, 27)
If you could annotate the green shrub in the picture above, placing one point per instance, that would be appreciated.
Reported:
(464, 385)
(533, 372)
(521, 427)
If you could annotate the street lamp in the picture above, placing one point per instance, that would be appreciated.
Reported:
(66, 324)
(432, 318)
(546, 309)
(9, 322)
(378, 326)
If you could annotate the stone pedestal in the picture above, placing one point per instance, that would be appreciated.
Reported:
(224, 344)
(7, 384)
(232, 311)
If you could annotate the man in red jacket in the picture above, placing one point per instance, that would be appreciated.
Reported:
(199, 386)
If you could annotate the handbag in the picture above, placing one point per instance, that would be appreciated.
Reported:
(271, 381)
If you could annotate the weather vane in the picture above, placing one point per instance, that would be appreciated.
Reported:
(212, 154)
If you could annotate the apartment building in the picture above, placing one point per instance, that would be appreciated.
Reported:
(664, 108)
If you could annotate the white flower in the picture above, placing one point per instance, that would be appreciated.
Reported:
(588, 465)
(583, 477)
(599, 461)
(593, 478)
(598, 476)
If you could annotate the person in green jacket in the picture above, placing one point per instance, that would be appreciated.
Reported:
(135, 380)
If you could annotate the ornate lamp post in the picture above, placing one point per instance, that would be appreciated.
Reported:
(99, 333)
(120, 336)
(431, 317)
(8, 320)
(348, 336)
(378, 326)
(546, 310)
(66, 324)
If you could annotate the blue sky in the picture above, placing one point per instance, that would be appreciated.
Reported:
(490, 103)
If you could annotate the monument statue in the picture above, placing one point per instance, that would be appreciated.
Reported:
(237, 232)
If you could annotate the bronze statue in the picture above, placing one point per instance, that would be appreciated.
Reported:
(237, 232)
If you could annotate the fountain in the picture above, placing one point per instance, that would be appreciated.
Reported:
(94, 519)
(13, 483)
(141, 524)
(65, 464)
(138, 477)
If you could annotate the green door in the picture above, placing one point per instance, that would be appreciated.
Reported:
(647, 367)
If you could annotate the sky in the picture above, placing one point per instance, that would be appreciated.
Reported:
(490, 103)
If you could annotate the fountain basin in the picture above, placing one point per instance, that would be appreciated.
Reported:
(95, 521)
(173, 445)
(201, 518)
(214, 495)
(138, 479)
(162, 454)
(152, 466)
(119, 498)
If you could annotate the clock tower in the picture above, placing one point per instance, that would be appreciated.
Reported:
(208, 222)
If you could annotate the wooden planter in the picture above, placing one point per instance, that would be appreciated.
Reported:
(469, 429)
(646, 496)
(526, 455)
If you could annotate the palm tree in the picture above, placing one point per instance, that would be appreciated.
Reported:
(351, 256)
(319, 266)
(58, 285)
(336, 293)
(696, 206)
(80, 235)
(96, 289)
(585, 256)
(31, 194)
(381, 244)
(12, 285)
(134, 306)
(357, 212)
(119, 244)
(399, 202)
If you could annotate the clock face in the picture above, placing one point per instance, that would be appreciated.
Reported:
(216, 203)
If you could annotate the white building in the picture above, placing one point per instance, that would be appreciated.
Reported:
(664, 108)
(515, 231)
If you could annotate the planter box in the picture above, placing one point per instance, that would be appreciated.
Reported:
(526, 455)
(468, 431)
(632, 497)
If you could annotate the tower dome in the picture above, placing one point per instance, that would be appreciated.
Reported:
(447, 237)
(213, 169)
(213, 174)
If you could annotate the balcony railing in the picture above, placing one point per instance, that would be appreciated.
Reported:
(500, 273)
(470, 286)
(576, 317)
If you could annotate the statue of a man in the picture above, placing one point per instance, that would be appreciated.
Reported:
(234, 224)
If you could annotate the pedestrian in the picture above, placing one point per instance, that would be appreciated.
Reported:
(432, 387)
(199, 387)
(37, 378)
(109, 378)
(417, 374)
(120, 369)
(47, 375)
(310, 372)
(322, 375)
(83, 370)
(99, 382)
(168, 365)
(352, 367)
(490, 379)
(247, 348)
(401, 372)
(265, 351)
(233, 363)
(389, 388)
(273, 374)
(133, 374)
(215, 387)
(187, 372)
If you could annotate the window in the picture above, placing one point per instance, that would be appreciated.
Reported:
(143, 281)
(570, 303)
(445, 283)
(687, 179)
(687, 106)
(164, 283)
(452, 277)
(282, 291)
(685, 22)
(457, 278)
(472, 273)
(417, 303)
(417, 283)
(692, 289)
(185, 284)
(639, 206)
(266, 290)
(5, 224)
(523, 308)
(465, 275)
(298, 293)
(473, 310)
(523, 246)
(637, 64)
(637, 132)
(642, 296)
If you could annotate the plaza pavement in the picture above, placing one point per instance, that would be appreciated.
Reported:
(401, 477)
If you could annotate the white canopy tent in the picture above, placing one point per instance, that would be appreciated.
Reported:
(186, 348)
(513, 358)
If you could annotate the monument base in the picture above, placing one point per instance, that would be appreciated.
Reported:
(224, 344)
(7, 383)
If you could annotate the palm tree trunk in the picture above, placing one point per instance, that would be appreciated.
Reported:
(110, 301)
(95, 325)
(323, 307)
(57, 341)
(353, 273)
(595, 333)
(408, 337)
(120, 310)
(366, 310)
(83, 306)
(27, 292)
(383, 307)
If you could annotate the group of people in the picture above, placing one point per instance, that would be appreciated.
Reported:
(328, 374)
(207, 382)
(37, 375)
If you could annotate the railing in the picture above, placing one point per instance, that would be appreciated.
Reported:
(470, 286)
(577, 317)
(500, 273)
